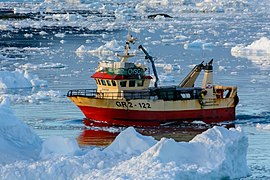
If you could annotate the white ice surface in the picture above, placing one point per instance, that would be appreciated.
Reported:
(17, 141)
(46, 65)
(34, 97)
(263, 126)
(258, 52)
(216, 153)
(19, 79)
(108, 48)
(57, 145)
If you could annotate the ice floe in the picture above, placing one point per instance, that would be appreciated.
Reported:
(46, 65)
(58, 145)
(166, 77)
(108, 50)
(263, 126)
(198, 44)
(19, 79)
(18, 141)
(33, 97)
(130, 142)
(258, 52)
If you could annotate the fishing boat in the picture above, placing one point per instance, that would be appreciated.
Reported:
(124, 96)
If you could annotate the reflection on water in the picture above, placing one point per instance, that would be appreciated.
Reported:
(96, 137)
(101, 135)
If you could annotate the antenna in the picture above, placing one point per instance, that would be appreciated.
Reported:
(130, 39)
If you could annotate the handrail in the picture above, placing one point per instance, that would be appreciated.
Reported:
(166, 94)
(108, 95)
(82, 92)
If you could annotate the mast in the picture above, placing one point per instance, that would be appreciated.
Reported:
(147, 56)
(207, 82)
(208, 75)
(124, 58)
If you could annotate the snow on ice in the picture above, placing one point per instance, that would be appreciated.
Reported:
(18, 141)
(263, 126)
(46, 65)
(258, 52)
(57, 145)
(19, 79)
(198, 44)
(107, 49)
(123, 144)
(34, 97)
(217, 153)
(22, 79)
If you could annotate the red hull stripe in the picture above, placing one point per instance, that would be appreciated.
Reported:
(149, 118)
(101, 75)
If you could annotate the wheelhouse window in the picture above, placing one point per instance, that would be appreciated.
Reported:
(113, 83)
(132, 83)
(99, 81)
(123, 83)
(140, 83)
(103, 82)
(109, 82)
(185, 95)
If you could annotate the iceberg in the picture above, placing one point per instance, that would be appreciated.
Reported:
(258, 52)
(18, 141)
(19, 79)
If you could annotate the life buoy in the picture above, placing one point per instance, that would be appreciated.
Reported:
(208, 86)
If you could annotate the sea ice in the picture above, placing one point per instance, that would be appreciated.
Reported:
(263, 126)
(108, 49)
(130, 142)
(258, 52)
(19, 79)
(166, 77)
(216, 154)
(57, 145)
(46, 65)
(34, 97)
(198, 44)
(18, 141)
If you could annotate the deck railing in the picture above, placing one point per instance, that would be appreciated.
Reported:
(82, 92)
(108, 95)
(183, 94)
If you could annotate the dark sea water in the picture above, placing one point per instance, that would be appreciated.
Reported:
(46, 45)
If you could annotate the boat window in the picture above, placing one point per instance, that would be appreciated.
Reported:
(99, 82)
(113, 83)
(185, 95)
(123, 83)
(109, 82)
(132, 83)
(103, 82)
(140, 83)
